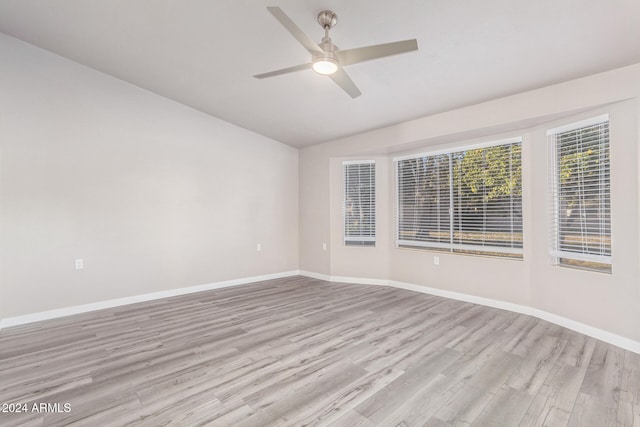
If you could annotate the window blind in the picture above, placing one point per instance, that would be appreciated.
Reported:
(467, 200)
(359, 203)
(581, 205)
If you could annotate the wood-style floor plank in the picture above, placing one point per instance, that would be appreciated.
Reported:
(304, 352)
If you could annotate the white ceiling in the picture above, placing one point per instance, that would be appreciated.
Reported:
(203, 53)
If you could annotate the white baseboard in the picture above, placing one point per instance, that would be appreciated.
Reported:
(600, 334)
(315, 275)
(503, 305)
(583, 328)
(344, 279)
(84, 308)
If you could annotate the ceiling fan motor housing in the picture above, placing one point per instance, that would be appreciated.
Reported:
(327, 61)
(329, 49)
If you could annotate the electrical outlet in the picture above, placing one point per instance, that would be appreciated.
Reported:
(436, 260)
(79, 264)
(259, 247)
(324, 246)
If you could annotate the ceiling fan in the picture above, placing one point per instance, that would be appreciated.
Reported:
(326, 58)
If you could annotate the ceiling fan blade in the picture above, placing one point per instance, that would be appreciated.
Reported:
(283, 71)
(295, 31)
(343, 80)
(367, 53)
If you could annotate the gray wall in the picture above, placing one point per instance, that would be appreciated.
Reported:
(151, 194)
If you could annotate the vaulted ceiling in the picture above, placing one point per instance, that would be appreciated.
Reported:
(204, 53)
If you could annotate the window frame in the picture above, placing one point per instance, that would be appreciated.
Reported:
(452, 247)
(362, 240)
(558, 256)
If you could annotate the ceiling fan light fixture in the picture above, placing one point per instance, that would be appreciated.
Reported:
(325, 66)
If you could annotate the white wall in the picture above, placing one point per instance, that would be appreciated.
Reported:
(151, 194)
(610, 302)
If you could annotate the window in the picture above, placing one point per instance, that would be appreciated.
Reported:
(581, 205)
(359, 203)
(468, 200)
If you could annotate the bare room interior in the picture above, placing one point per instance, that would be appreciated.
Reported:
(363, 213)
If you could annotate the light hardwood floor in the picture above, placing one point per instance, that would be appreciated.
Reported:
(299, 351)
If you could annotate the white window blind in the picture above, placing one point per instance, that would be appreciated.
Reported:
(468, 200)
(581, 205)
(359, 203)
